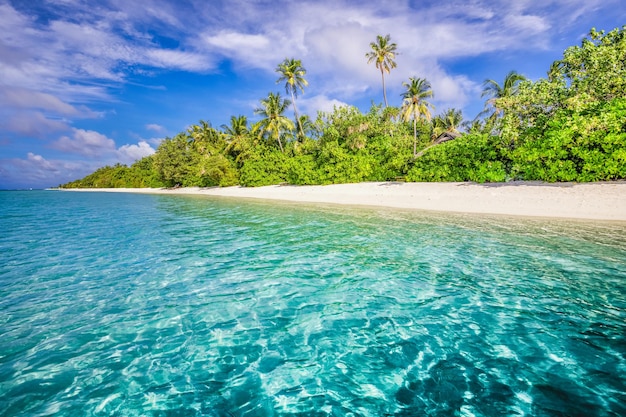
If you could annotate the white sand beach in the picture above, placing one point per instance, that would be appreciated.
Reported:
(597, 201)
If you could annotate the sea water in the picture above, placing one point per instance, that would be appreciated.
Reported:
(151, 305)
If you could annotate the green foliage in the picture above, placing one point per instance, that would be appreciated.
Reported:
(448, 121)
(596, 70)
(587, 145)
(175, 161)
(217, 170)
(142, 174)
(274, 125)
(474, 157)
(266, 166)
(302, 170)
(139, 175)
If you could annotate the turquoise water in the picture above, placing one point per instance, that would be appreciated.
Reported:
(135, 305)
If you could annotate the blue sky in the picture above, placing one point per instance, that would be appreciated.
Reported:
(88, 83)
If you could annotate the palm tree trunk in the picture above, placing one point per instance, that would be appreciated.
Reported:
(295, 111)
(382, 74)
(414, 138)
(280, 143)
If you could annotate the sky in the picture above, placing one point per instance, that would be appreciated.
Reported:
(89, 83)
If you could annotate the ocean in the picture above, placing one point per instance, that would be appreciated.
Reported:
(116, 304)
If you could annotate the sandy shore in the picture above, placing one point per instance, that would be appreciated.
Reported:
(597, 201)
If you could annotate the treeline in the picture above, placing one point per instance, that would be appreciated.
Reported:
(570, 126)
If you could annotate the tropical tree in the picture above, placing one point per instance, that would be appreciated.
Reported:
(306, 127)
(175, 160)
(414, 104)
(383, 54)
(274, 122)
(495, 91)
(595, 71)
(236, 134)
(205, 139)
(476, 125)
(449, 121)
(292, 72)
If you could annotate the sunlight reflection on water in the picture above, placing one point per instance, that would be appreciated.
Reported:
(135, 304)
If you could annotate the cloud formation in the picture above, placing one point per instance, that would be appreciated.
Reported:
(128, 154)
(69, 63)
(85, 142)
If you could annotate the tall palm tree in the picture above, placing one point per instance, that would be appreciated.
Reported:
(292, 72)
(274, 122)
(414, 104)
(236, 133)
(495, 91)
(383, 54)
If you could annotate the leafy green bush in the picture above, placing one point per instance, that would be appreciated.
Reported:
(577, 145)
(217, 170)
(264, 168)
(473, 157)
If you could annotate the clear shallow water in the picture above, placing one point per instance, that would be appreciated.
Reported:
(131, 305)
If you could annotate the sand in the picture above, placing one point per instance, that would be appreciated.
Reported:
(593, 201)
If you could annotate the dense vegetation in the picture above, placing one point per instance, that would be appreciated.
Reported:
(570, 126)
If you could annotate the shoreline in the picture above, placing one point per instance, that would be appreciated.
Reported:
(586, 201)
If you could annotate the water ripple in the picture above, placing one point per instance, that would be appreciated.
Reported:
(136, 305)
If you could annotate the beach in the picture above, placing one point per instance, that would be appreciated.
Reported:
(592, 201)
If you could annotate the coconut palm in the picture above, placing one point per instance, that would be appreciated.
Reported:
(449, 121)
(204, 138)
(414, 104)
(236, 133)
(292, 72)
(383, 54)
(274, 122)
(306, 126)
(556, 71)
(495, 91)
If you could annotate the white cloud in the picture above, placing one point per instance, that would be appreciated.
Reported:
(95, 145)
(87, 143)
(311, 105)
(234, 41)
(128, 154)
(155, 127)
(172, 59)
(331, 37)
(32, 124)
(39, 162)
(37, 171)
(23, 98)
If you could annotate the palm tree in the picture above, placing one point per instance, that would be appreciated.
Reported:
(236, 133)
(274, 123)
(292, 72)
(383, 54)
(306, 127)
(495, 91)
(556, 71)
(449, 122)
(414, 104)
(474, 126)
(204, 138)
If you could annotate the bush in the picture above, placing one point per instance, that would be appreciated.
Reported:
(473, 157)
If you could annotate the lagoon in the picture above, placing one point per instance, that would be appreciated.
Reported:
(131, 305)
